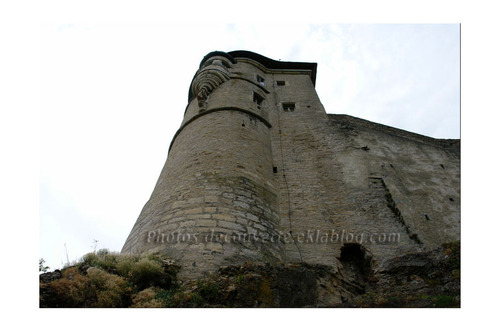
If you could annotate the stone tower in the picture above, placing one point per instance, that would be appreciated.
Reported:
(258, 171)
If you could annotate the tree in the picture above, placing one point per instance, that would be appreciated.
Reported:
(41, 267)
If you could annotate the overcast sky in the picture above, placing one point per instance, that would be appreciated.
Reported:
(114, 95)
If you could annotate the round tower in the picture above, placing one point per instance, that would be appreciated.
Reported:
(215, 202)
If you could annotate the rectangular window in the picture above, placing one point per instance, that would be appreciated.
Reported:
(280, 83)
(288, 107)
(261, 80)
(258, 99)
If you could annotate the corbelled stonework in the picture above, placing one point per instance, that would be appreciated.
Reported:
(258, 171)
(213, 73)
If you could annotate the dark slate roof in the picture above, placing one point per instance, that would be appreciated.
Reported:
(217, 53)
(266, 62)
(273, 64)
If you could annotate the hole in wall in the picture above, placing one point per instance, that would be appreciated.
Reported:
(275, 169)
(451, 199)
(352, 252)
(427, 217)
(243, 124)
(356, 262)
(288, 107)
(258, 99)
(442, 166)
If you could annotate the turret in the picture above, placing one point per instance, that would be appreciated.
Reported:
(216, 201)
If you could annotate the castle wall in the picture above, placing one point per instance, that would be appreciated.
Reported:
(349, 180)
(215, 202)
(259, 171)
(421, 175)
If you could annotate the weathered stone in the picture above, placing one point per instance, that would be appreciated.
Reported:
(225, 217)
(231, 225)
(267, 157)
(206, 223)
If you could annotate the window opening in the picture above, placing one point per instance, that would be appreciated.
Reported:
(261, 80)
(258, 99)
(288, 107)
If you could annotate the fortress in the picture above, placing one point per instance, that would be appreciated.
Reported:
(258, 171)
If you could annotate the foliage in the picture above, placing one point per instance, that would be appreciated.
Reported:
(41, 266)
(109, 280)
(103, 259)
(106, 279)
(169, 297)
(147, 298)
(208, 291)
(110, 291)
(445, 301)
(71, 291)
(124, 265)
(147, 273)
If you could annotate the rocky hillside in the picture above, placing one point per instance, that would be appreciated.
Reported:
(104, 279)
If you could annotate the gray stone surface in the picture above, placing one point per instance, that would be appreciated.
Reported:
(247, 180)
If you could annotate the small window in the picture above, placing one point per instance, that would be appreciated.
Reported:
(280, 83)
(261, 80)
(258, 99)
(288, 107)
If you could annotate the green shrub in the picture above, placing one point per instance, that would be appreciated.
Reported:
(41, 266)
(147, 298)
(445, 301)
(208, 291)
(146, 273)
(103, 259)
(89, 259)
(98, 289)
(124, 265)
(106, 260)
(194, 300)
(71, 291)
(106, 279)
(180, 299)
(109, 290)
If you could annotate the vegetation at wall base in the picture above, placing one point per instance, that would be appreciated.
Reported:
(110, 280)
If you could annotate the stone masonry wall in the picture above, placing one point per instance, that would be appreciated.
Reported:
(259, 171)
(215, 202)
